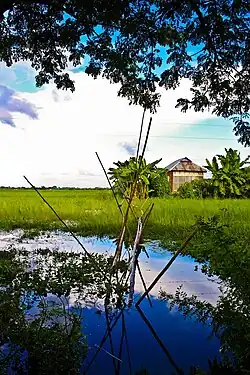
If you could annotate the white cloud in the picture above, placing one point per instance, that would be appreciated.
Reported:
(59, 148)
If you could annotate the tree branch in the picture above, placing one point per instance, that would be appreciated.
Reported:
(10, 4)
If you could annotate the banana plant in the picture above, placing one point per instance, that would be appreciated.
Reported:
(133, 174)
(228, 173)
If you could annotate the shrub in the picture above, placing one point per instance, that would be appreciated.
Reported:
(196, 189)
(159, 184)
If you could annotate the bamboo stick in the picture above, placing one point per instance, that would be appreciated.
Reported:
(171, 360)
(59, 218)
(134, 257)
(143, 283)
(166, 267)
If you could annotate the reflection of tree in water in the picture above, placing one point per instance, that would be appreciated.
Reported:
(42, 304)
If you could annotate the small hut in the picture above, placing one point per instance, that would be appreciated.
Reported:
(183, 170)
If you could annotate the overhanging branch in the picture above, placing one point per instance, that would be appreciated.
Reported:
(10, 4)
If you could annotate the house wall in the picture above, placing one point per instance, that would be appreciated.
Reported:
(170, 179)
(179, 178)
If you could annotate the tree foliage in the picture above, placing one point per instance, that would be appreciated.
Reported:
(159, 183)
(142, 45)
(228, 174)
(134, 176)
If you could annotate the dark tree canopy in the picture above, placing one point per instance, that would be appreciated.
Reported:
(140, 44)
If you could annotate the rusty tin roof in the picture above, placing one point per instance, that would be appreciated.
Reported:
(184, 165)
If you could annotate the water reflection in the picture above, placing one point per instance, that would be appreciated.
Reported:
(181, 272)
(161, 341)
(185, 341)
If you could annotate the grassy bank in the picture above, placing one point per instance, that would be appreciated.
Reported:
(94, 212)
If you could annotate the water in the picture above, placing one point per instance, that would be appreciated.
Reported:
(186, 342)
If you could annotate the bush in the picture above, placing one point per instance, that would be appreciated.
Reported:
(159, 184)
(196, 189)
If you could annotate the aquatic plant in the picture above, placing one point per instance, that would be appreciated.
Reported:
(226, 256)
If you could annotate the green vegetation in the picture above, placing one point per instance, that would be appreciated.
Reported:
(93, 212)
(125, 42)
(219, 252)
(141, 46)
(196, 189)
(41, 332)
(227, 256)
(135, 169)
(230, 179)
(159, 184)
(220, 245)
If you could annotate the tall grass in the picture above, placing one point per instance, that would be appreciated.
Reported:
(95, 212)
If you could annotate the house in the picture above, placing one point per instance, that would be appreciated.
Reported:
(183, 170)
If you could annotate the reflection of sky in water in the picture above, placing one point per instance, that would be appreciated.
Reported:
(186, 341)
(181, 271)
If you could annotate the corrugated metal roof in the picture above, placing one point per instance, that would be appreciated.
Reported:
(184, 164)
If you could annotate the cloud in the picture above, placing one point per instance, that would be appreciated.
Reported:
(129, 147)
(82, 172)
(59, 147)
(60, 96)
(55, 96)
(11, 103)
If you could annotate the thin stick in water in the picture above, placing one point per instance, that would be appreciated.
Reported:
(134, 257)
(143, 282)
(118, 359)
(111, 187)
(104, 338)
(171, 360)
(127, 343)
(59, 218)
(166, 267)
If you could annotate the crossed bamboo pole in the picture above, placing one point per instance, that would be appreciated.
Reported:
(135, 253)
(125, 216)
(164, 270)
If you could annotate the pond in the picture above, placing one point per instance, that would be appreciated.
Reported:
(157, 339)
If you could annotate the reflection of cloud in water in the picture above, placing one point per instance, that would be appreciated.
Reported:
(185, 340)
(180, 272)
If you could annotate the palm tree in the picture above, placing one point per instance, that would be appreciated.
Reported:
(133, 174)
(228, 177)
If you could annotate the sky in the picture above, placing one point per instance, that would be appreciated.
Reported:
(51, 136)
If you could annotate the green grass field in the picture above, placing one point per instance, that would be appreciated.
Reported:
(94, 212)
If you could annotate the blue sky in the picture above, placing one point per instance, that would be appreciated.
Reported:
(51, 136)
